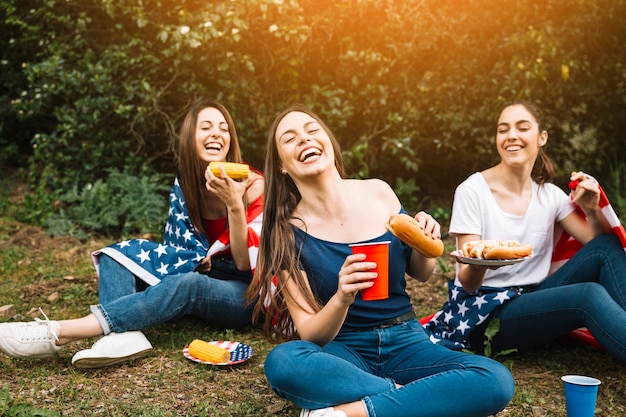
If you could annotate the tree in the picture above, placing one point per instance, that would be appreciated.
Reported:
(410, 88)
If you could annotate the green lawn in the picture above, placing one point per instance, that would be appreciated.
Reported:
(57, 275)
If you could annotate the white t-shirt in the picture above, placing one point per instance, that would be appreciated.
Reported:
(475, 212)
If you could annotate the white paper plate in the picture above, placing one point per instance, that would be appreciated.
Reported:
(487, 262)
(239, 352)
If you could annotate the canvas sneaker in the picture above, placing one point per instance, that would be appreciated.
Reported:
(34, 339)
(113, 349)
(322, 412)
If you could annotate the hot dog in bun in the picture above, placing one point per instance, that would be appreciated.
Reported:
(495, 249)
(408, 230)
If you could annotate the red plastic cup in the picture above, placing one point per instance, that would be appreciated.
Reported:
(376, 252)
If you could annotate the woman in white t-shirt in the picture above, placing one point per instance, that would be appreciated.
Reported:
(515, 200)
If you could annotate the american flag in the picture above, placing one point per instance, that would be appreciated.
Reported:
(566, 246)
(452, 325)
(183, 248)
(463, 311)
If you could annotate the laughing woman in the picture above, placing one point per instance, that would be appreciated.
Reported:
(516, 200)
(202, 268)
(354, 357)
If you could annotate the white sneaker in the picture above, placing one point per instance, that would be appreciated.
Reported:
(322, 412)
(112, 349)
(34, 339)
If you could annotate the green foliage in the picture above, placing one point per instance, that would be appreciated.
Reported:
(5, 398)
(615, 189)
(444, 266)
(8, 265)
(123, 203)
(407, 193)
(5, 189)
(20, 410)
(39, 203)
(97, 85)
(492, 329)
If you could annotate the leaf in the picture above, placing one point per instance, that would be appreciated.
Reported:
(492, 329)
(5, 398)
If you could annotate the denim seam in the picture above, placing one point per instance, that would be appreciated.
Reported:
(102, 317)
(369, 407)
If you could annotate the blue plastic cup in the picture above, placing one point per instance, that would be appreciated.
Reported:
(580, 395)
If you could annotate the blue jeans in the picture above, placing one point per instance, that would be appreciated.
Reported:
(589, 291)
(366, 365)
(123, 308)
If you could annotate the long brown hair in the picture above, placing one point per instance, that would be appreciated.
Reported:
(543, 169)
(278, 256)
(191, 168)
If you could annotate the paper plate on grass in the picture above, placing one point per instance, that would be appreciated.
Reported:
(239, 353)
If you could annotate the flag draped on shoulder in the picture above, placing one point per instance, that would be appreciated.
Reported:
(183, 248)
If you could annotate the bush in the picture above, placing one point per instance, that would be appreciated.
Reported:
(410, 88)
(122, 204)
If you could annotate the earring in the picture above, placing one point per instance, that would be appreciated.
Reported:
(283, 171)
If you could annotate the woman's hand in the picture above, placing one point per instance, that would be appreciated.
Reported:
(587, 196)
(205, 265)
(429, 224)
(470, 276)
(355, 275)
(420, 268)
(587, 192)
(229, 191)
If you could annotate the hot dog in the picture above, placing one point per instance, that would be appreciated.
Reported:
(496, 249)
(408, 230)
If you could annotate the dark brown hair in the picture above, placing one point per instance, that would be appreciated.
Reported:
(191, 168)
(278, 257)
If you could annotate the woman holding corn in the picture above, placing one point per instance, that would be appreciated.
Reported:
(201, 269)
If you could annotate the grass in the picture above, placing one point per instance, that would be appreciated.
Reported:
(56, 274)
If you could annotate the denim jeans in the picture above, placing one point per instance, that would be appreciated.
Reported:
(589, 291)
(366, 365)
(123, 308)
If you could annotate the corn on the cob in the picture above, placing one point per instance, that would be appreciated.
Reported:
(208, 352)
(232, 169)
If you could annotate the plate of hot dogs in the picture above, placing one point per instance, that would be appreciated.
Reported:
(493, 252)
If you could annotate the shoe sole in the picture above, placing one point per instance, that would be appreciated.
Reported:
(95, 363)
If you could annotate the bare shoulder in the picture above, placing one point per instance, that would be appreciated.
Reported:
(377, 192)
(256, 177)
(379, 188)
(256, 185)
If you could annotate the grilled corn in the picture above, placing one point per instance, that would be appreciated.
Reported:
(208, 352)
(232, 169)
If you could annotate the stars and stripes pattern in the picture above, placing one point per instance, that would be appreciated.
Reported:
(183, 248)
(451, 326)
(463, 311)
(566, 246)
